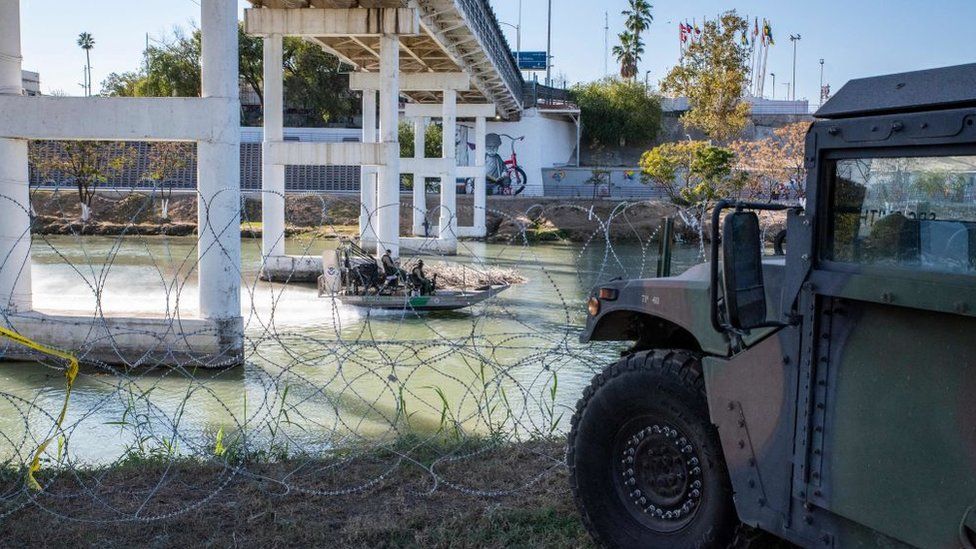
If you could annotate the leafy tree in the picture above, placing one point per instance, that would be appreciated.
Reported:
(172, 68)
(712, 75)
(941, 184)
(87, 163)
(631, 47)
(166, 160)
(122, 84)
(616, 112)
(316, 90)
(692, 173)
(774, 165)
(433, 139)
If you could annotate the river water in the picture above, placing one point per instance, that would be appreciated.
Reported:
(318, 373)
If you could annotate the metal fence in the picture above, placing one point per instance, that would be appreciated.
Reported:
(599, 183)
(331, 179)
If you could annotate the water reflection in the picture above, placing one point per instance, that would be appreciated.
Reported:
(318, 373)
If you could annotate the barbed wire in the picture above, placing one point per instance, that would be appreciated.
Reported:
(324, 389)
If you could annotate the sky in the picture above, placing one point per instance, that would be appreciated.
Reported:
(856, 38)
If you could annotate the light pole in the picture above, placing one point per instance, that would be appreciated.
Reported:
(647, 85)
(773, 74)
(821, 83)
(794, 38)
(549, 47)
(518, 41)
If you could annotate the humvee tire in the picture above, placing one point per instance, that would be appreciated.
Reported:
(646, 466)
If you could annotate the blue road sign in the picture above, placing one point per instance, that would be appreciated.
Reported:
(531, 60)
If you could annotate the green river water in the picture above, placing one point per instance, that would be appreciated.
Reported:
(318, 373)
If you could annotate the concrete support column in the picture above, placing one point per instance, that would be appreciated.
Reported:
(480, 181)
(273, 175)
(448, 209)
(219, 187)
(419, 179)
(367, 184)
(15, 238)
(388, 183)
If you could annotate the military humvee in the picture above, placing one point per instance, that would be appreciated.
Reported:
(829, 396)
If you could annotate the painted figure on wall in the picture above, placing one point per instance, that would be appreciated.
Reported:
(505, 177)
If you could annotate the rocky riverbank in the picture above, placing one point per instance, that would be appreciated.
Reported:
(509, 220)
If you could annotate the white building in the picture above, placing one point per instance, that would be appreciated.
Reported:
(32, 82)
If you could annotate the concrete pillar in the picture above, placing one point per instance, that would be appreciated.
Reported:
(273, 175)
(480, 182)
(419, 184)
(219, 175)
(388, 183)
(367, 190)
(15, 238)
(448, 209)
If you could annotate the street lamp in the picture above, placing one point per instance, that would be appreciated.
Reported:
(794, 38)
(773, 74)
(518, 40)
(647, 85)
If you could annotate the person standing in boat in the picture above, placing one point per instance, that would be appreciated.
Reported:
(391, 272)
(420, 280)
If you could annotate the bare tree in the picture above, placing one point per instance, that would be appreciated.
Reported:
(166, 161)
(86, 164)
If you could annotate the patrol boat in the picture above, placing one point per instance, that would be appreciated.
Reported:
(353, 276)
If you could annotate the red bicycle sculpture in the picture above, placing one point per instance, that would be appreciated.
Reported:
(508, 177)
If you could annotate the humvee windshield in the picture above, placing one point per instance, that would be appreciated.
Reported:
(910, 212)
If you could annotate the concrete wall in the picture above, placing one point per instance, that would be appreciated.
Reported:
(550, 141)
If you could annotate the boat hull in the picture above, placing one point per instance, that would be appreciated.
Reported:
(442, 301)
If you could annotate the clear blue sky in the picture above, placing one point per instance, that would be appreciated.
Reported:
(855, 37)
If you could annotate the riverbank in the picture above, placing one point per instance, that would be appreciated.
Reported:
(425, 495)
(512, 220)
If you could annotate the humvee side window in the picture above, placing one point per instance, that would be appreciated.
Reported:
(907, 212)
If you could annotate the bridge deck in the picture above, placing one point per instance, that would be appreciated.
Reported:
(457, 35)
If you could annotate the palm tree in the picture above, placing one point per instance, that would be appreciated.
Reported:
(86, 42)
(625, 54)
(631, 46)
(638, 16)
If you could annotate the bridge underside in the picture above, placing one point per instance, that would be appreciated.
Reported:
(451, 40)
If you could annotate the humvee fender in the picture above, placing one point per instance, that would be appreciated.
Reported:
(657, 313)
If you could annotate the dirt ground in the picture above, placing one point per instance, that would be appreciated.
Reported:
(508, 496)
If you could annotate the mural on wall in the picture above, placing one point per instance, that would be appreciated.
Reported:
(505, 177)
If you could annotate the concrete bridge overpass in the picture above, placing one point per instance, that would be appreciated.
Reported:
(447, 58)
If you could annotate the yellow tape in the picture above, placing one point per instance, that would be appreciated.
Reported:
(70, 374)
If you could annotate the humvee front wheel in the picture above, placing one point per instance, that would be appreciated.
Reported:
(646, 466)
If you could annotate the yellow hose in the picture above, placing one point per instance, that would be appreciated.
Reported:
(70, 373)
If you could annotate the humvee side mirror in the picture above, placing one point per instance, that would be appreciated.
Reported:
(745, 292)
(742, 269)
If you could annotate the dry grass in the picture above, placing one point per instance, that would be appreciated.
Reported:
(455, 275)
(275, 505)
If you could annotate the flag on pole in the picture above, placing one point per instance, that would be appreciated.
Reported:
(768, 32)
